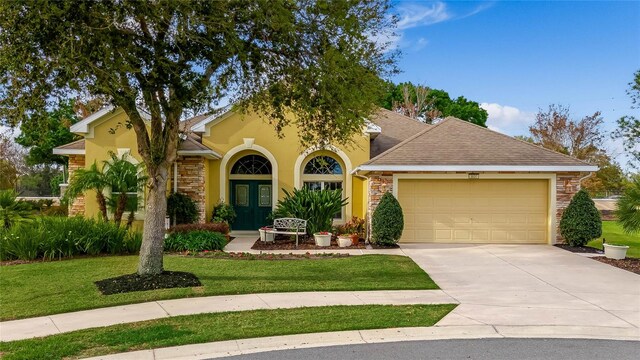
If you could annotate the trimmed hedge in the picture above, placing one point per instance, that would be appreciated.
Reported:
(581, 220)
(182, 209)
(387, 221)
(194, 241)
(219, 227)
(60, 237)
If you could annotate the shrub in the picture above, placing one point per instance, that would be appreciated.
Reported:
(581, 220)
(220, 227)
(181, 209)
(353, 226)
(387, 221)
(317, 207)
(223, 213)
(195, 241)
(11, 210)
(628, 208)
(59, 237)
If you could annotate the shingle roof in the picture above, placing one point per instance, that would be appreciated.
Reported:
(395, 129)
(76, 145)
(187, 124)
(457, 142)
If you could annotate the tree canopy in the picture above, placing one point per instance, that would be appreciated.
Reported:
(629, 125)
(426, 104)
(316, 60)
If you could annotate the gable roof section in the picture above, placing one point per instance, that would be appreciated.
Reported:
(84, 126)
(457, 145)
(394, 128)
(72, 148)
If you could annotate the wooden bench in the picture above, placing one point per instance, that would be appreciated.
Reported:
(289, 226)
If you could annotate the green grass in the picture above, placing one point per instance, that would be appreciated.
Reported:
(612, 231)
(62, 286)
(195, 329)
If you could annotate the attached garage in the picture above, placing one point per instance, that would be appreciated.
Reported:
(461, 183)
(514, 211)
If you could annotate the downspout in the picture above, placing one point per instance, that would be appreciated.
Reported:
(175, 176)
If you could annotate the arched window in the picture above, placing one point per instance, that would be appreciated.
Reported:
(323, 173)
(252, 165)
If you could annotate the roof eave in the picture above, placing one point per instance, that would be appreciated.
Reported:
(209, 154)
(484, 168)
(57, 151)
(83, 126)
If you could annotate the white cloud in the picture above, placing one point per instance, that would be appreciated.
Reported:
(414, 15)
(508, 119)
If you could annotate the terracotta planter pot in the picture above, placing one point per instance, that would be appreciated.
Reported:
(355, 239)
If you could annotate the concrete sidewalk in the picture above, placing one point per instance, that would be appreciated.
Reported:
(249, 346)
(60, 323)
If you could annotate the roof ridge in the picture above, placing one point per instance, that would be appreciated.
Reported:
(402, 115)
(404, 142)
(521, 141)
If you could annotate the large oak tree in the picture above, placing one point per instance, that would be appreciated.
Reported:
(317, 60)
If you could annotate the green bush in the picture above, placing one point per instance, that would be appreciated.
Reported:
(195, 241)
(387, 221)
(221, 227)
(13, 211)
(628, 208)
(318, 207)
(181, 209)
(581, 220)
(223, 213)
(59, 237)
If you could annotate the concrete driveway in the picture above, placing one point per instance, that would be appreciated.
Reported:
(532, 288)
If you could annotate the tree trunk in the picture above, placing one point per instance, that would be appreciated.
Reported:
(121, 206)
(102, 204)
(152, 247)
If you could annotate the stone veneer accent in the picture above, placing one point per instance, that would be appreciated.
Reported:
(77, 206)
(567, 184)
(191, 181)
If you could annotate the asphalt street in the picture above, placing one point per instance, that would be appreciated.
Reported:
(521, 349)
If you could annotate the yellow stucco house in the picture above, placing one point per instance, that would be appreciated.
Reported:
(456, 182)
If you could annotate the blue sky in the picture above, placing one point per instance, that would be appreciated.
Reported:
(516, 57)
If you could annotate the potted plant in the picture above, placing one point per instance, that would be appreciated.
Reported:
(264, 236)
(615, 251)
(322, 238)
(345, 240)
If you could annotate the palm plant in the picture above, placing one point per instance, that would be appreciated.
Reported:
(11, 210)
(89, 179)
(123, 177)
(628, 208)
(318, 207)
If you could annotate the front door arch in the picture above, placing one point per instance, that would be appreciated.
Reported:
(250, 191)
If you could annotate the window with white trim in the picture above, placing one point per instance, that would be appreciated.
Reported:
(324, 173)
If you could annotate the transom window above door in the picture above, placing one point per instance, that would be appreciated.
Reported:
(252, 165)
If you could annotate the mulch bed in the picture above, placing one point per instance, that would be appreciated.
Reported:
(579, 249)
(628, 264)
(265, 256)
(304, 244)
(394, 246)
(135, 282)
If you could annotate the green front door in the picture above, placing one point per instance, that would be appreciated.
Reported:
(252, 201)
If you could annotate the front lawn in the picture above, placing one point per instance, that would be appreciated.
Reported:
(612, 232)
(46, 288)
(196, 329)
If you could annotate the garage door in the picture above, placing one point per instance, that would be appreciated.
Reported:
(474, 211)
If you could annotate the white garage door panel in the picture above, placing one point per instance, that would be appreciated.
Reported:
(474, 211)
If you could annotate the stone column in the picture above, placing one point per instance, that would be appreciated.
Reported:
(77, 206)
(191, 181)
(567, 184)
